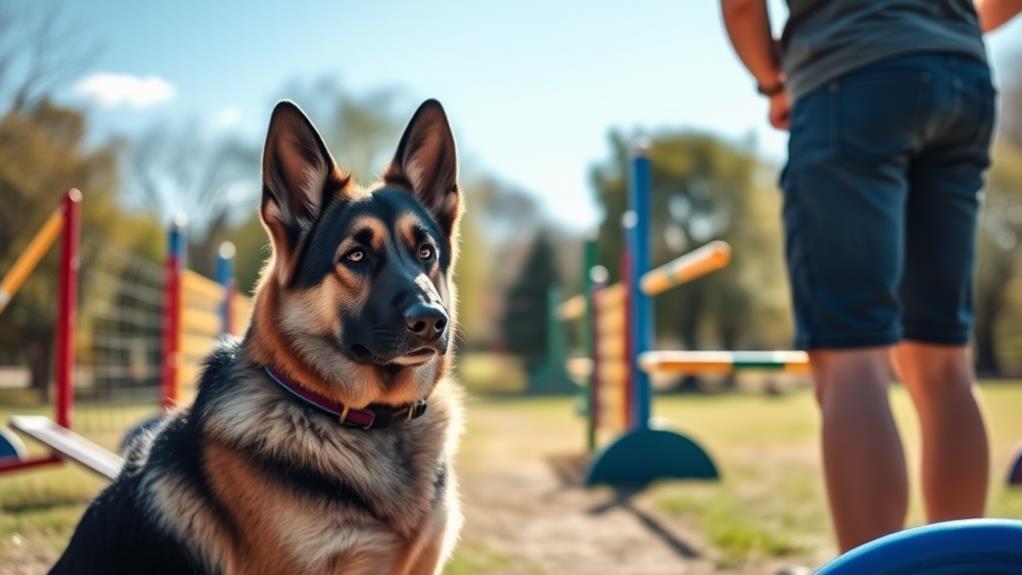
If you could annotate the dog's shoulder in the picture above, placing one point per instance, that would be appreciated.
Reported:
(120, 531)
(220, 367)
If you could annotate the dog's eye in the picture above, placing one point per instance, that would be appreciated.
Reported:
(426, 252)
(356, 255)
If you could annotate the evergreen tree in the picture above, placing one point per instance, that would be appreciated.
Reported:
(525, 316)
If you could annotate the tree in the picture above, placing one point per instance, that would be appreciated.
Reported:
(211, 178)
(38, 51)
(42, 154)
(526, 310)
(999, 235)
(498, 226)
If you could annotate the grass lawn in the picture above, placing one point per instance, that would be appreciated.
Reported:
(769, 505)
(771, 499)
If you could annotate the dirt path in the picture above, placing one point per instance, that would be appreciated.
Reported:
(522, 499)
(549, 528)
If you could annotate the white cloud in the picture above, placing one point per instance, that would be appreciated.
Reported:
(111, 90)
(226, 118)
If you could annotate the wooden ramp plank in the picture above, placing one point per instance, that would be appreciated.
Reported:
(69, 444)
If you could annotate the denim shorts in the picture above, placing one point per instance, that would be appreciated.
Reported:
(881, 194)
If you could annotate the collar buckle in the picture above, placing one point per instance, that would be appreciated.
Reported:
(372, 420)
(417, 410)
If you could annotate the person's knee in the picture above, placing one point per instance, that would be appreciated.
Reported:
(933, 365)
(840, 372)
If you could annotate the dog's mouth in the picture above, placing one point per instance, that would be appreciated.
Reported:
(414, 358)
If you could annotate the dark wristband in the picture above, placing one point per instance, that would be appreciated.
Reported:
(771, 90)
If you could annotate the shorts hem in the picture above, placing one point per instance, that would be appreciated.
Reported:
(937, 337)
(807, 342)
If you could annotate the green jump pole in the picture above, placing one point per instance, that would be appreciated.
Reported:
(587, 331)
(556, 342)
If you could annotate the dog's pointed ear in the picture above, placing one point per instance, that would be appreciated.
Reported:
(427, 162)
(296, 170)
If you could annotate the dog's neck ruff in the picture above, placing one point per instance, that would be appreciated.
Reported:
(372, 417)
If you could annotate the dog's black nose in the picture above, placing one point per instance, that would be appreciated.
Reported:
(426, 320)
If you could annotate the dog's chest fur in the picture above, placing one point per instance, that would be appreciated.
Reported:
(284, 488)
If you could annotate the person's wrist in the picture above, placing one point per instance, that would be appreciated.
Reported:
(771, 89)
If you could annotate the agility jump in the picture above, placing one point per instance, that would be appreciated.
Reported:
(618, 328)
(196, 311)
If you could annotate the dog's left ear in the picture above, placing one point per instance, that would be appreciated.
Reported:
(427, 162)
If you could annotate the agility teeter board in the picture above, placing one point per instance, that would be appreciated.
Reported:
(69, 444)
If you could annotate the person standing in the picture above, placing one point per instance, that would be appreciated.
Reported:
(890, 108)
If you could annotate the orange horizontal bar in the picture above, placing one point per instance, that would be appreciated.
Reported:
(697, 263)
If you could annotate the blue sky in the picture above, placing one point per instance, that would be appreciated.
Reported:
(531, 87)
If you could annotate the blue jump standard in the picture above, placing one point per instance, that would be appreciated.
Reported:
(645, 454)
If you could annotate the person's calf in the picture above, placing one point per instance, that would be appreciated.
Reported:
(864, 464)
(955, 451)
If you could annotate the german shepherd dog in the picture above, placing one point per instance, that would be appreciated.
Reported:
(321, 442)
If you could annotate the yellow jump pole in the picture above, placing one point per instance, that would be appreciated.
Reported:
(697, 263)
(30, 256)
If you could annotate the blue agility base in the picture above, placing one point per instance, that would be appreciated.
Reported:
(967, 547)
(11, 446)
(646, 453)
(642, 456)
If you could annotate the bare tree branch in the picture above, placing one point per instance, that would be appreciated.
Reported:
(43, 44)
(182, 169)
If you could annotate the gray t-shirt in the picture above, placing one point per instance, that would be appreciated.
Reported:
(825, 39)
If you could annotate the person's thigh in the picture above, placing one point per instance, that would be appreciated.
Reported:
(845, 188)
(945, 180)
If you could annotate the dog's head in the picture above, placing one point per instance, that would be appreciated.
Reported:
(357, 300)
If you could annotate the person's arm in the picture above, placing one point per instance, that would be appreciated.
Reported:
(748, 27)
(994, 13)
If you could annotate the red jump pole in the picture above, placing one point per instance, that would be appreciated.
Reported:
(14, 464)
(67, 304)
(172, 315)
(626, 279)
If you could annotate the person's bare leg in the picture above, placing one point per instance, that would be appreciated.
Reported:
(956, 456)
(864, 465)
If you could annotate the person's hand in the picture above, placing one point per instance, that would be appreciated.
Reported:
(780, 110)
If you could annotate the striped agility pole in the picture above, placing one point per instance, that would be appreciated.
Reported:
(723, 362)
